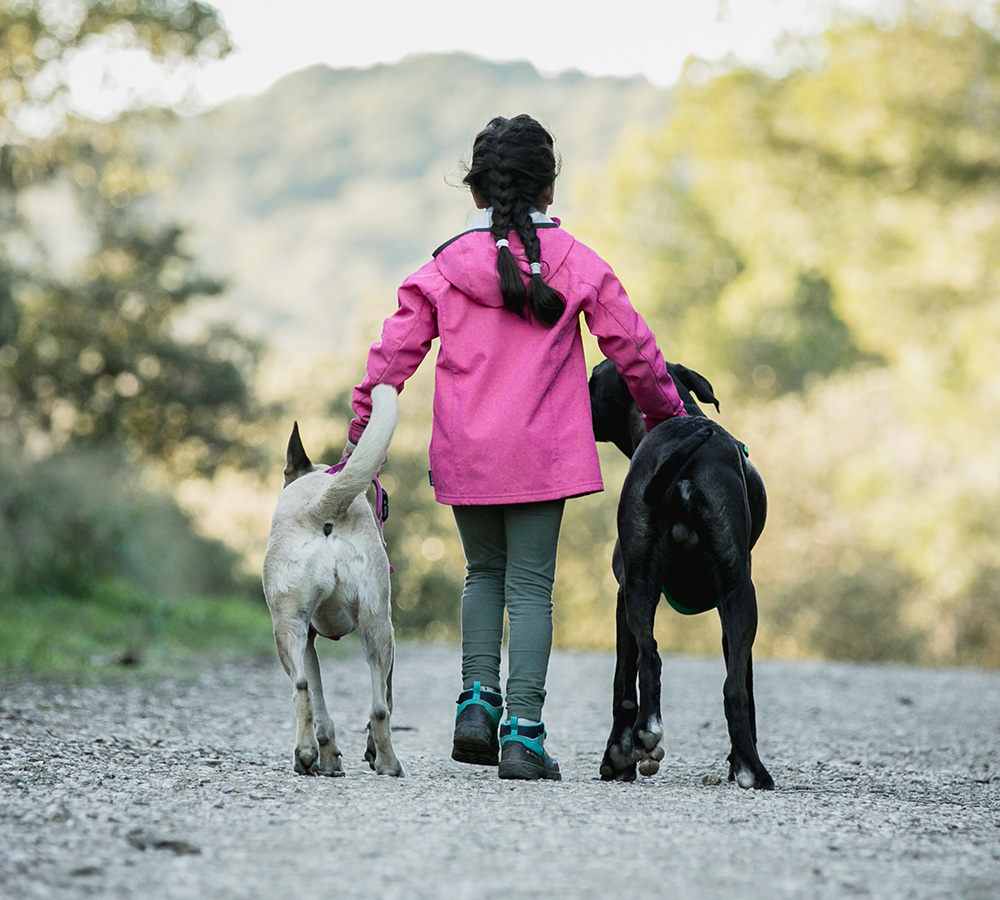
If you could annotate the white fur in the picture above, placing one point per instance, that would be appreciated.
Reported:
(336, 583)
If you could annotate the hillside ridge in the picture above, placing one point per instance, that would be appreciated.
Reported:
(314, 198)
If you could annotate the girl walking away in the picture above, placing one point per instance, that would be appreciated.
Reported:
(512, 438)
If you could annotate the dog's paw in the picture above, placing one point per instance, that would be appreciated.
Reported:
(618, 764)
(329, 760)
(751, 776)
(610, 773)
(387, 764)
(305, 760)
(619, 756)
(649, 761)
(648, 739)
(648, 748)
(332, 769)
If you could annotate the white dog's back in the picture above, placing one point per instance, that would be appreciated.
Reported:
(314, 508)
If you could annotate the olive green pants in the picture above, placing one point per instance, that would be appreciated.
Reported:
(510, 554)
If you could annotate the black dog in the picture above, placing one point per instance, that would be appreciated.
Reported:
(691, 508)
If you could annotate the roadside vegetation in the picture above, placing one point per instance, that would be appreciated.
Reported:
(820, 240)
(117, 630)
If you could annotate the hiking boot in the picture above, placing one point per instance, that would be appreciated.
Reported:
(522, 754)
(479, 713)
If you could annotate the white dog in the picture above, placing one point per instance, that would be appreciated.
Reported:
(326, 572)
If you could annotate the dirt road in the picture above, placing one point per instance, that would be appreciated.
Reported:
(888, 786)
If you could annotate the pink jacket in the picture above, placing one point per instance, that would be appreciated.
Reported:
(512, 417)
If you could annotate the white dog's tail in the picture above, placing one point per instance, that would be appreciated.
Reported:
(370, 453)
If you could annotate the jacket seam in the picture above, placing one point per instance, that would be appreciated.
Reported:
(521, 496)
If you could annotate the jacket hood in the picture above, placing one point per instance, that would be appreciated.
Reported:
(469, 261)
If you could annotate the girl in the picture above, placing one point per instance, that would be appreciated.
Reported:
(512, 437)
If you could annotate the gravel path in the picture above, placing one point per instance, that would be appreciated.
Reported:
(888, 787)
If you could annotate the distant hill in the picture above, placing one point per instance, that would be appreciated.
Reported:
(316, 197)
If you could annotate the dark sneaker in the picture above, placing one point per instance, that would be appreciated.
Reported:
(522, 754)
(479, 713)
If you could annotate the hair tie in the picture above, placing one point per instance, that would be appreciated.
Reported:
(536, 268)
(503, 242)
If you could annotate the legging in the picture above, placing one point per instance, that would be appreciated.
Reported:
(510, 554)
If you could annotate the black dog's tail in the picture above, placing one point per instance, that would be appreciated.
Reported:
(671, 468)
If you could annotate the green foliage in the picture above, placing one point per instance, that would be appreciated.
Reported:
(76, 520)
(89, 353)
(820, 246)
(793, 346)
(36, 36)
(93, 372)
(118, 629)
(424, 551)
(93, 359)
(826, 241)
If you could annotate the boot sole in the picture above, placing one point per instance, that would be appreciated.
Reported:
(522, 770)
(473, 751)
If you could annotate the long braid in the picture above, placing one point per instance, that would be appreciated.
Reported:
(547, 304)
(504, 196)
(512, 163)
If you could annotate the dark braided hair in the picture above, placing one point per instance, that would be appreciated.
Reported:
(513, 163)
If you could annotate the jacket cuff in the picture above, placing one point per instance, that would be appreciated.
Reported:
(355, 430)
(651, 423)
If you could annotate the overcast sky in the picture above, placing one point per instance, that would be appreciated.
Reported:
(625, 37)
(653, 38)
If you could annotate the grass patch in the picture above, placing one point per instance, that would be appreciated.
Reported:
(118, 628)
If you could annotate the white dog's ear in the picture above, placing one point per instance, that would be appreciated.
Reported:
(296, 461)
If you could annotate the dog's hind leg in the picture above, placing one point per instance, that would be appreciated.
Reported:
(378, 647)
(329, 753)
(642, 595)
(618, 763)
(750, 701)
(291, 637)
(738, 612)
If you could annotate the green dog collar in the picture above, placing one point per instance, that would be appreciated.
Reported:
(684, 610)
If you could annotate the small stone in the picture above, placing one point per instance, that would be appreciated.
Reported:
(711, 780)
(144, 840)
(83, 871)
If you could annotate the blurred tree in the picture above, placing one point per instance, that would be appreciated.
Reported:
(88, 349)
(797, 234)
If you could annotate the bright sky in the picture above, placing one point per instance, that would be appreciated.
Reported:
(624, 37)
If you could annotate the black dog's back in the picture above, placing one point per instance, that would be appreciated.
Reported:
(685, 509)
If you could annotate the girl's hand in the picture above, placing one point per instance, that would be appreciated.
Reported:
(349, 448)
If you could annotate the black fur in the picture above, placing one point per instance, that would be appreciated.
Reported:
(691, 509)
